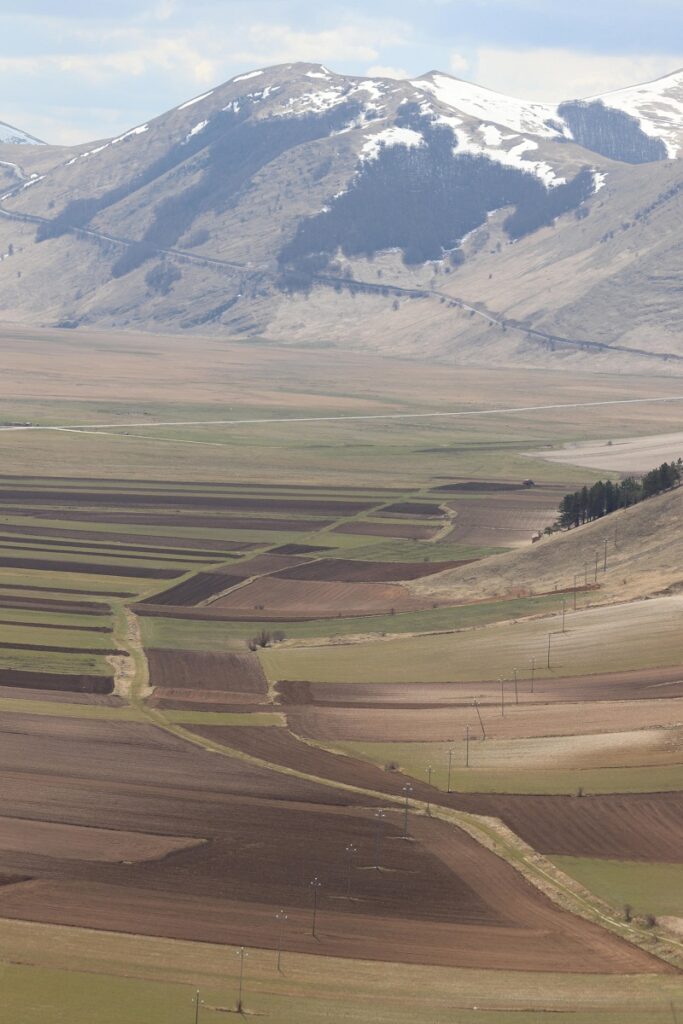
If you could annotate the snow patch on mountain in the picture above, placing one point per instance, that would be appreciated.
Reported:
(197, 99)
(485, 105)
(393, 136)
(657, 106)
(245, 78)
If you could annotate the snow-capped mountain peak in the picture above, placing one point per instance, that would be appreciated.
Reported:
(657, 106)
(10, 134)
(521, 116)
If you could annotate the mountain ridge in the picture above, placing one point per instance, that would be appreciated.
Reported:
(241, 206)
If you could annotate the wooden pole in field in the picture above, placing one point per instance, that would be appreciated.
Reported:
(533, 672)
(467, 746)
(502, 698)
(549, 636)
(483, 730)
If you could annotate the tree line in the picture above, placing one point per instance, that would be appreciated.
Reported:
(605, 496)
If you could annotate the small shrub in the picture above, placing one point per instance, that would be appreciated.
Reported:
(628, 912)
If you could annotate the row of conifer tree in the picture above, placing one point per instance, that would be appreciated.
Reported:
(605, 496)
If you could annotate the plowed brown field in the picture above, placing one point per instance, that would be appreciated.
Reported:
(409, 531)
(206, 670)
(350, 571)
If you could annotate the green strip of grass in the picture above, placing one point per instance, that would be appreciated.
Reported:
(413, 758)
(220, 636)
(60, 709)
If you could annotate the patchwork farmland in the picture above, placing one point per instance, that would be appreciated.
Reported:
(225, 653)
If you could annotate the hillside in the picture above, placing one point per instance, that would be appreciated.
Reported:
(644, 557)
(303, 206)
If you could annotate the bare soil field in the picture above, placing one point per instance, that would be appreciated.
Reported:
(73, 842)
(370, 528)
(196, 589)
(269, 562)
(91, 568)
(644, 684)
(406, 724)
(316, 599)
(123, 757)
(351, 571)
(504, 518)
(633, 826)
(205, 670)
(488, 915)
(417, 509)
(56, 681)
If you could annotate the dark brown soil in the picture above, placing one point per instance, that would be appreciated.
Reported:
(298, 549)
(364, 527)
(92, 568)
(52, 605)
(60, 650)
(197, 588)
(206, 670)
(56, 681)
(425, 509)
(55, 625)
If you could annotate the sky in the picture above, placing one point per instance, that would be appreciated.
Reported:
(73, 71)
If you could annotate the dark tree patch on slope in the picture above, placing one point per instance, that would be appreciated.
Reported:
(425, 199)
(612, 133)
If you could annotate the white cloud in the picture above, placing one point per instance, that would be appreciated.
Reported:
(265, 43)
(458, 63)
(384, 71)
(555, 74)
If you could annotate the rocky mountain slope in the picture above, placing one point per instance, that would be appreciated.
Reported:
(299, 205)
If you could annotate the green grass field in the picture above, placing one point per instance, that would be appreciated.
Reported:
(647, 888)
(413, 759)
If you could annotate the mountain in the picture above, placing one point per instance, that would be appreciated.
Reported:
(303, 206)
(14, 136)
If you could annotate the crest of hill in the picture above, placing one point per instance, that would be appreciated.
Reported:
(644, 557)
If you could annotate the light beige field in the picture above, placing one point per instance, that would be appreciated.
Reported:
(627, 455)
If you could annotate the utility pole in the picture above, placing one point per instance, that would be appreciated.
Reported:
(549, 636)
(481, 723)
(407, 790)
(315, 885)
(502, 698)
(351, 852)
(604, 564)
(576, 576)
(380, 815)
(514, 672)
(450, 764)
(429, 782)
(242, 954)
(281, 918)
(467, 746)
(533, 673)
(196, 1007)
(564, 612)
(585, 574)
(597, 562)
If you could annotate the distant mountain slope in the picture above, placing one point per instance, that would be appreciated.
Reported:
(646, 559)
(283, 202)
